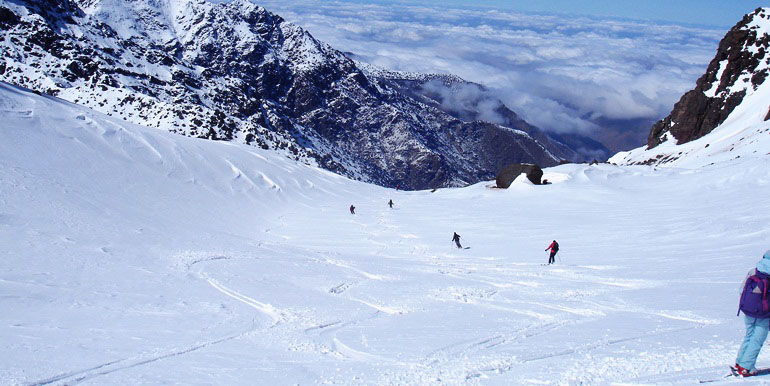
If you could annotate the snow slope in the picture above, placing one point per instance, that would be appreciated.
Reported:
(135, 256)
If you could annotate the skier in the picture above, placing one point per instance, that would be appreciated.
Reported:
(753, 304)
(554, 247)
(390, 202)
(456, 239)
(352, 209)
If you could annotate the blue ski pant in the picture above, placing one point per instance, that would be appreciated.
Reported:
(756, 333)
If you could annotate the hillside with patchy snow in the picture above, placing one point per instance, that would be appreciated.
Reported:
(727, 115)
(132, 255)
(234, 71)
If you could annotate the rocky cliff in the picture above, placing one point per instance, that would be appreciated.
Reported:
(738, 69)
(725, 119)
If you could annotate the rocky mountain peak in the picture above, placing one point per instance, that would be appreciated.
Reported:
(738, 69)
(724, 120)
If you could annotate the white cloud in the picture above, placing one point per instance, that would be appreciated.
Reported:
(469, 98)
(557, 72)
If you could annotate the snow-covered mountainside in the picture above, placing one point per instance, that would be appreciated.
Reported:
(727, 115)
(470, 102)
(131, 255)
(234, 71)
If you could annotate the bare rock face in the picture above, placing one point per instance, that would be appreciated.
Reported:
(234, 71)
(509, 173)
(740, 65)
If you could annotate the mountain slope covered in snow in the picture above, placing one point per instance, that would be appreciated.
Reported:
(132, 255)
(727, 115)
(234, 71)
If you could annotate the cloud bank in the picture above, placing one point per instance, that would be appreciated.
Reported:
(562, 74)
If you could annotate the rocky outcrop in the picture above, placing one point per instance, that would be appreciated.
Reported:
(234, 71)
(739, 67)
(509, 173)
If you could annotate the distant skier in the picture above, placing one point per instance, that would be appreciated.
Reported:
(754, 305)
(554, 247)
(352, 209)
(390, 203)
(456, 239)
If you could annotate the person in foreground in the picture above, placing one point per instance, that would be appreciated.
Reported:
(755, 306)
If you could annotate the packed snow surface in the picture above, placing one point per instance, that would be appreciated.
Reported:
(134, 256)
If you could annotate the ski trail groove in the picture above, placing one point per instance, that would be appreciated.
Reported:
(442, 354)
(356, 355)
(109, 367)
(70, 374)
(336, 325)
(604, 343)
(277, 315)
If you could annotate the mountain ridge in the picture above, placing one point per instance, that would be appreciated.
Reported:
(234, 71)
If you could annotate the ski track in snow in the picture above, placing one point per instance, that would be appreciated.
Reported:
(277, 315)
(495, 364)
(228, 264)
(79, 376)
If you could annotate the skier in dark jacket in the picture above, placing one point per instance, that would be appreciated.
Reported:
(390, 203)
(554, 247)
(352, 209)
(456, 239)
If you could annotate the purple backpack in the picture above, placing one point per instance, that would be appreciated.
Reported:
(754, 300)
